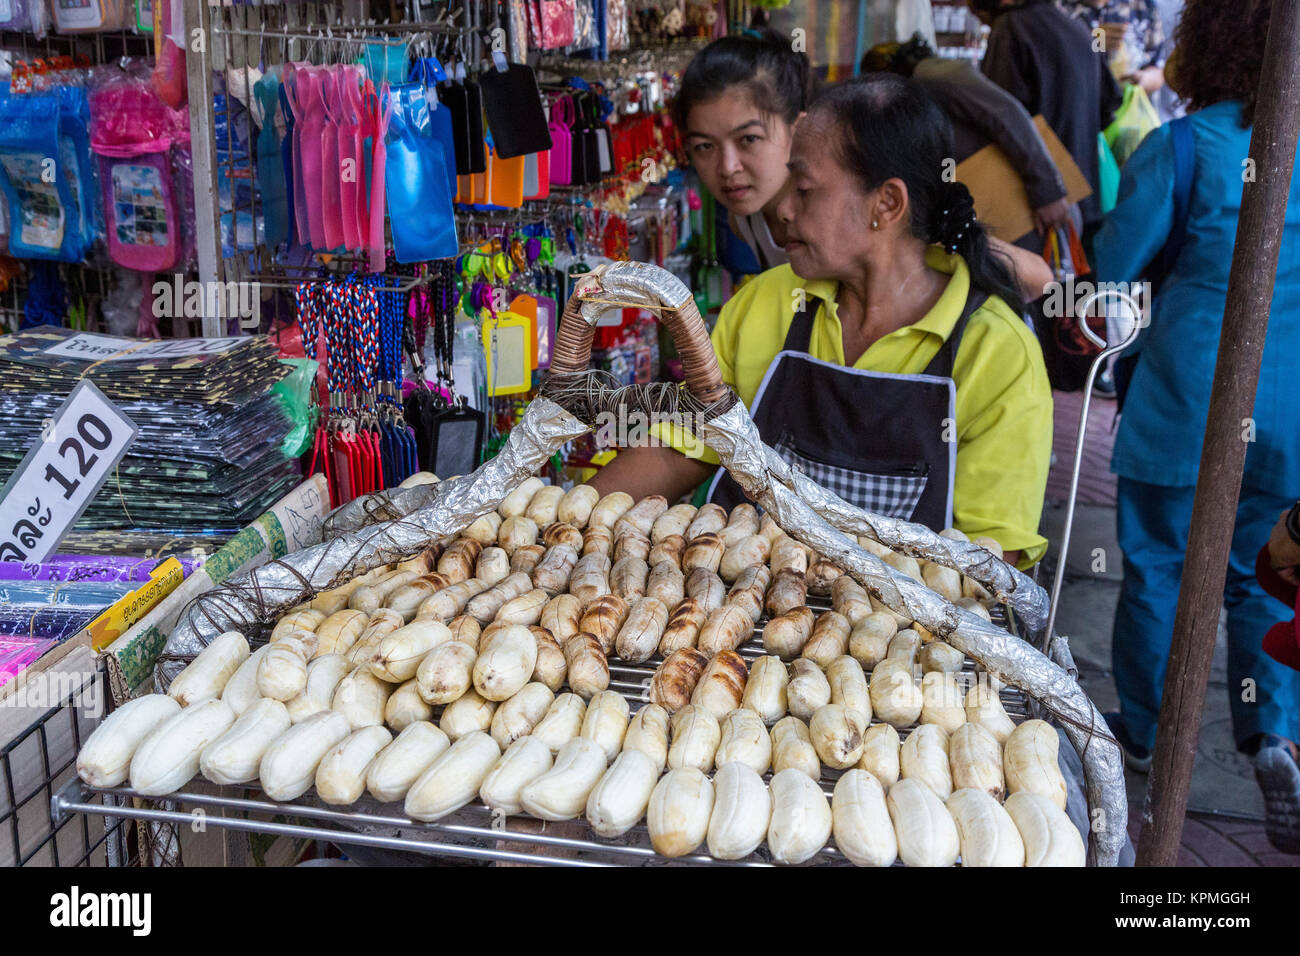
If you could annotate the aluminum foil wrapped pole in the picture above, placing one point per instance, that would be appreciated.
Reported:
(810, 514)
(266, 592)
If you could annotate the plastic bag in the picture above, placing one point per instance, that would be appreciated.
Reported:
(1107, 176)
(294, 394)
(1135, 118)
(40, 133)
(132, 131)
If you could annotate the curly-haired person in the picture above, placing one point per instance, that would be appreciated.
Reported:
(1179, 199)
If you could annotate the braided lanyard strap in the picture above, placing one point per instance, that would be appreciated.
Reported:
(338, 348)
(365, 337)
(309, 318)
(390, 340)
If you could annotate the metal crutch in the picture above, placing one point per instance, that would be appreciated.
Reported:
(1136, 325)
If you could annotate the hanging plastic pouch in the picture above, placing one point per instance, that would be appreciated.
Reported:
(561, 155)
(551, 23)
(416, 179)
(513, 105)
(352, 161)
(385, 62)
(290, 171)
(270, 164)
(141, 210)
(505, 180)
(132, 136)
(89, 16)
(39, 210)
(378, 107)
(331, 195)
(465, 102)
(78, 169)
(13, 15)
(427, 72)
(304, 97)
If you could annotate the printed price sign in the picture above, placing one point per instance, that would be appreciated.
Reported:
(62, 473)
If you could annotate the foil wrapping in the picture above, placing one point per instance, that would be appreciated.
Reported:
(639, 282)
(263, 594)
(377, 507)
(771, 482)
(1008, 585)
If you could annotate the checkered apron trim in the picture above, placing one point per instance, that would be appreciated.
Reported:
(894, 496)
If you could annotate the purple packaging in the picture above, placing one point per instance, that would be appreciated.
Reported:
(87, 567)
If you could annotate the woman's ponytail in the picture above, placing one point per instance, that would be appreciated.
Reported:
(958, 229)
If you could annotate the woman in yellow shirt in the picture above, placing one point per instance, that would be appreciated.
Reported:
(888, 360)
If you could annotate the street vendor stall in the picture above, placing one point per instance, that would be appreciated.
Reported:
(457, 662)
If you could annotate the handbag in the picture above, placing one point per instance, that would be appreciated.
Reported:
(1067, 353)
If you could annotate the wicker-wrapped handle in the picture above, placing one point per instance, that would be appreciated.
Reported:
(572, 350)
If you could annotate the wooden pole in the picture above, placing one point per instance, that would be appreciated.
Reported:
(1236, 374)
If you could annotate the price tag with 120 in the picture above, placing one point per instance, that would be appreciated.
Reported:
(77, 451)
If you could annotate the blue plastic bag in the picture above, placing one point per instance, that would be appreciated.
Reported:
(415, 178)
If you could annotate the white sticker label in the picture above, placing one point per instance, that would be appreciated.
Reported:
(110, 348)
(62, 473)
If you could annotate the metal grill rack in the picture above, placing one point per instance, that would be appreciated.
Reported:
(473, 833)
(34, 767)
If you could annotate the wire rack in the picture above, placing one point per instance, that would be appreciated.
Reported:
(371, 830)
(34, 766)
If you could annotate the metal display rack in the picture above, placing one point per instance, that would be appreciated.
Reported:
(34, 770)
(473, 833)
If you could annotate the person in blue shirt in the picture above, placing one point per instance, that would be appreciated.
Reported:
(1157, 452)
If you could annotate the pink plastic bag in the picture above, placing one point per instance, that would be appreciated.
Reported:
(133, 132)
(352, 164)
(297, 83)
(381, 110)
(331, 198)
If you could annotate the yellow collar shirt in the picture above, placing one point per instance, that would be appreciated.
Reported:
(1003, 404)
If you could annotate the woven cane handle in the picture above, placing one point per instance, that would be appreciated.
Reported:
(572, 349)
